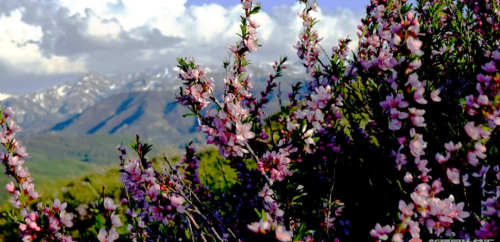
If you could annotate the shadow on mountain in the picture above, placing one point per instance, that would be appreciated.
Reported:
(154, 115)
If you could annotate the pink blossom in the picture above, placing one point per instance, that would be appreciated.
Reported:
(176, 200)
(419, 95)
(397, 237)
(414, 27)
(251, 45)
(374, 41)
(454, 175)
(472, 158)
(417, 146)
(400, 159)
(54, 224)
(437, 187)
(414, 228)
(283, 235)
(490, 67)
(259, 227)
(391, 102)
(406, 210)
(441, 159)
(247, 4)
(109, 204)
(31, 222)
(243, 131)
(415, 64)
(408, 178)
(472, 130)
(434, 95)
(423, 189)
(103, 235)
(14, 126)
(460, 214)
(464, 180)
(381, 233)
(321, 96)
(480, 150)
(23, 227)
(450, 146)
(22, 172)
(115, 220)
(414, 46)
(421, 164)
(57, 206)
(496, 55)
(483, 78)
(395, 124)
(417, 117)
(66, 218)
(413, 81)
(15, 161)
(409, 16)
(314, 7)
(8, 112)
(10, 187)
(395, 41)
(153, 192)
(483, 100)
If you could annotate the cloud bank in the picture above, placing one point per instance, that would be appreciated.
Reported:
(46, 41)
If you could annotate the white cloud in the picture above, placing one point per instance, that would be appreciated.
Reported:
(205, 31)
(100, 7)
(105, 29)
(22, 56)
(208, 28)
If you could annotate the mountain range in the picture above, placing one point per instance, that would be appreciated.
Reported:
(141, 102)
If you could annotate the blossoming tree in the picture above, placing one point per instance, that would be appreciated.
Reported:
(398, 141)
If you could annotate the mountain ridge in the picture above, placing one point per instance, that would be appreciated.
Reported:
(60, 107)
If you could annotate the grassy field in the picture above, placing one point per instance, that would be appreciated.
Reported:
(58, 159)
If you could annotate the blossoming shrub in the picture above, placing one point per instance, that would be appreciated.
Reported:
(398, 142)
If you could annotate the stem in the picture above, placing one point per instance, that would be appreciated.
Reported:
(331, 192)
(197, 199)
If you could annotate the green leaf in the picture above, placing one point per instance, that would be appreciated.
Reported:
(296, 197)
(255, 10)
(189, 114)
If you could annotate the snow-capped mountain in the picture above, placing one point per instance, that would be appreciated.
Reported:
(154, 79)
(43, 109)
(38, 110)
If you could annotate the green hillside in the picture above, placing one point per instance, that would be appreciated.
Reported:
(56, 158)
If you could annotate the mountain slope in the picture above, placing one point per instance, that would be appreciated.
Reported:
(155, 116)
(37, 111)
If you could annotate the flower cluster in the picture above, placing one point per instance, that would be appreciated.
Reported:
(44, 222)
(199, 87)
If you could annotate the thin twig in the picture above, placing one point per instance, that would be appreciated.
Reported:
(331, 192)
(191, 230)
(196, 197)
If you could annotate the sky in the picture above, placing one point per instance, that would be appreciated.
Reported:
(45, 42)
